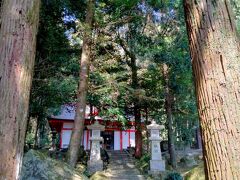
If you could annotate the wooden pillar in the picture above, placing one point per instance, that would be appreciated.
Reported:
(87, 139)
(121, 141)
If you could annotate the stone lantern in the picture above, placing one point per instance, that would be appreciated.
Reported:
(54, 137)
(95, 163)
(156, 163)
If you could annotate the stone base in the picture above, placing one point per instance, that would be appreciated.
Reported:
(94, 166)
(156, 175)
(157, 166)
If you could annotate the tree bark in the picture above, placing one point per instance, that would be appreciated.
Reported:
(137, 112)
(138, 133)
(36, 142)
(19, 22)
(83, 86)
(215, 53)
(168, 109)
(135, 86)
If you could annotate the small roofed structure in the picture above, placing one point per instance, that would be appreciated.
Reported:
(114, 136)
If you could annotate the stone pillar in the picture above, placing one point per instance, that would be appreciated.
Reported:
(95, 163)
(157, 165)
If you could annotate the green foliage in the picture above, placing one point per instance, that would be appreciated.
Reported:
(54, 82)
(153, 32)
(56, 68)
(197, 173)
(143, 163)
(29, 140)
(236, 9)
(174, 176)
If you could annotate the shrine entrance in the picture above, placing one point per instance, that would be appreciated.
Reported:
(108, 139)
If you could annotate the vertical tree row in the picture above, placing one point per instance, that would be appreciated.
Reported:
(215, 53)
(19, 24)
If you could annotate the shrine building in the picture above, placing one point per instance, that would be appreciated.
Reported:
(115, 137)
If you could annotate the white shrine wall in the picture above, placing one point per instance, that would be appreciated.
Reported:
(122, 139)
(67, 125)
(132, 139)
(125, 138)
(116, 140)
(65, 138)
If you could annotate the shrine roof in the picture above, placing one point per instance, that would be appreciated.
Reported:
(67, 113)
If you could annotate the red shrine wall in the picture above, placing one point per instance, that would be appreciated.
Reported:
(119, 140)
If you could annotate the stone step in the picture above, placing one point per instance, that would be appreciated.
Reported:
(129, 165)
(121, 163)
(116, 167)
(122, 167)
(124, 161)
(122, 172)
(127, 177)
(121, 160)
(126, 156)
(121, 155)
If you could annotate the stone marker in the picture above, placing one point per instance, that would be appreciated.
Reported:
(95, 163)
(157, 165)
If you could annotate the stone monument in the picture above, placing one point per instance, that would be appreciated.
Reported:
(95, 163)
(157, 164)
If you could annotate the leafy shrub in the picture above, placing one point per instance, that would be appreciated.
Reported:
(174, 176)
(143, 163)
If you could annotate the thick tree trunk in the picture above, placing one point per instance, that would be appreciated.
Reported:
(147, 133)
(137, 112)
(83, 86)
(215, 52)
(138, 134)
(168, 109)
(19, 20)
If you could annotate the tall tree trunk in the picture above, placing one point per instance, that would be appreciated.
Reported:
(147, 133)
(168, 109)
(83, 86)
(138, 134)
(42, 131)
(215, 53)
(137, 112)
(19, 21)
(36, 143)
